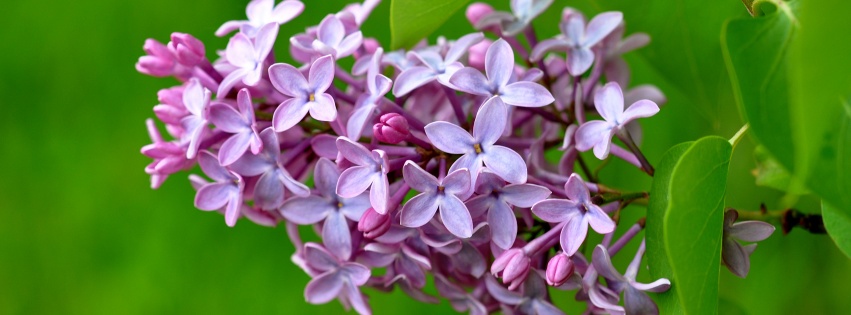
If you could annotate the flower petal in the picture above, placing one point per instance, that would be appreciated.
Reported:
(307, 210)
(735, 258)
(637, 302)
(503, 225)
(233, 148)
(591, 134)
(657, 286)
(419, 179)
(331, 30)
(490, 121)
(288, 114)
(603, 264)
(321, 74)
(524, 195)
(317, 257)
(457, 182)
(526, 94)
(601, 26)
(288, 80)
(325, 176)
(461, 46)
(336, 236)
(456, 217)
(499, 63)
(355, 180)
(640, 109)
(573, 234)
(354, 152)
(419, 210)
(609, 102)
(506, 163)
(579, 60)
(213, 196)
(211, 166)
(555, 210)
(548, 45)
(240, 51)
(379, 194)
(751, 231)
(353, 208)
(323, 108)
(411, 79)
(324, 288)
(265, 40)
(449, 138)
(599, 220)
(227, 119)
(349, 44)
(471, 81)
(269, 191)
(286, 11)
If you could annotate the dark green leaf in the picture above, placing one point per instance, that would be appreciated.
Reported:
(838, 225)
(412, 20)
(756, 53)
(689, 193)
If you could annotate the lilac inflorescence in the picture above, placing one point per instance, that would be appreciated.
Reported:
(462, 126)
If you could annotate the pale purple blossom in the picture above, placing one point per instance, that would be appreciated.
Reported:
(578, 212)
(497, 199)
(260, 13)
(434, 66)
(169, 156)
(499, 67)
(609, 102)
(196, 99)
(334, 278)
(437, 194)
(328, 206)
(635, 300)
(307, 94)
(269, 188)
(578, 39)
(480, 148)
(248, 57)
(534, 298)
(241, 124)
(522, 14)
(735, 255)
(226, 191)
(377, 85)
(369, 172)
(330, 38)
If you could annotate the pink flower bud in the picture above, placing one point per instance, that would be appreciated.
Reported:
(559, 269)
(513, 265)
(373, 224)
(476, 11)
(477, 53)
(188, 49)
(370, 45)
(392, 128)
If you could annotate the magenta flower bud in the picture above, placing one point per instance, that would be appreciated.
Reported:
(373, 224)
(188, 49)
(514, 266)
(392, 128)
(477, 53)
(370, 45)
(476, 11)
(559, 269)
(158, 62)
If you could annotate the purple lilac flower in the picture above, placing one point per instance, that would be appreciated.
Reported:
(260, 13)
(460, 299)
(188, 50)
(497, 199)
(331, 39)
(614, 66)
(480, 147)
(377, 85)
(241, 124)
(522, 14)
(499, 66)
(579, 212)
(407, 258)
(269, 189)
(248, 57)
(635, 300)
(334, 278)
(534, 298)
(737, 256)
(225, 191)
(169, 157)
(196, 99)
(307, 95)
(435, 66)
(370, 170)
(598, 134)
(160, 61)
(437, 194)
(577, 40)
(328, 206)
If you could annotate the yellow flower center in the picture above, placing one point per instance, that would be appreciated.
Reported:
(478, 148)
(312, 97)
(439, 188)
(339, 205)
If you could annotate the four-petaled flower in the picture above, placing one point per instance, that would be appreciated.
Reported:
(522, 14)
(331, 39)
(307, 95)
(269, 189)
(334, 279)
(499, 66)
(370, 170)
(735, 256)
(435, 67)
(577, 39)
(437, 194)
(497, 198)
(248, 57)
(635, 300)
(480, 147)
(377, 86)
(598, 134)
(328, 206)
(261, 13)
(225, 191)
(579, 211)
(196, 99)
(533, 300)
(241, 124)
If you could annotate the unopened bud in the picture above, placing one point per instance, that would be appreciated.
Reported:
(477, 53)
(373, 224)
(559, 269)
(513, 265)
(392, 128)
(476, 11)
(188, 49)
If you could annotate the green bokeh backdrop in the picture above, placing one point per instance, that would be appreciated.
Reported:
(82, 233)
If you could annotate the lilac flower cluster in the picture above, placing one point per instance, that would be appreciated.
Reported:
(466, 128)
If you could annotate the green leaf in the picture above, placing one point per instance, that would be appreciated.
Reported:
(770, 173)
(412, 20)
(756, 54)
(838, 225)
(688, 195)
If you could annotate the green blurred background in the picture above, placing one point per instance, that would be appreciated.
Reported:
(82, 233)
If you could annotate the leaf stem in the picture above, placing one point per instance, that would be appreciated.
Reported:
(738, 136)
